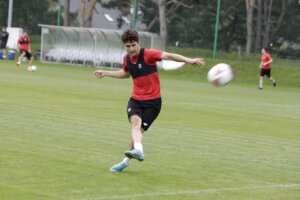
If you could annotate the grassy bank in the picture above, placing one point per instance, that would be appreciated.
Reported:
(246, 70)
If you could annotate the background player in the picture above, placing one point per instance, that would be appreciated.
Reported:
(24, 48)
(265, 68)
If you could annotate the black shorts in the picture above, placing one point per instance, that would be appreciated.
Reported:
(265, 72)
(3, 44)
(27, 54)
(147, 110)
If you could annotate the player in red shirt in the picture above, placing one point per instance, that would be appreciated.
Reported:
(145, 102)
(24, 48)
(265, 68)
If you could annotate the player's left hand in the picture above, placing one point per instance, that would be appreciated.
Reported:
(197, 61)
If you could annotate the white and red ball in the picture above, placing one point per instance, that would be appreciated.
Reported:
(220, 74)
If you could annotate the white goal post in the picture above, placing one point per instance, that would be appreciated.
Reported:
(88, 46)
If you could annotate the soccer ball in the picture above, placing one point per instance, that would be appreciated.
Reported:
(32, 68)
(220, 74)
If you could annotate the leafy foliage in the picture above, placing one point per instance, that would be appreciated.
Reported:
(3, 13)
(150, 15)
(29, 14)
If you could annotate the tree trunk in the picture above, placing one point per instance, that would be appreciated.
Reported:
(91, 13)
(258, 26)
(280, 18)
(162, 20)
(249, 8)
(66, 12)
(82, 13)
(268, 23)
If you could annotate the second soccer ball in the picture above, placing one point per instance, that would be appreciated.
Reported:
(32, 68)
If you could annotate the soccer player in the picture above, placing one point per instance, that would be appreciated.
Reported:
(4, 38)
(24, 48)
(265, 68)
(145, 102)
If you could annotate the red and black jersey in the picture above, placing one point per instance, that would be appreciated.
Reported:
(266, 58)
(143, 70)
(24, 43)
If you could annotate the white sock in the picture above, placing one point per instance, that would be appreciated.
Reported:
(139, 147)
(126, 160)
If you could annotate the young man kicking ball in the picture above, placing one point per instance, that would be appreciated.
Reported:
(145, 102)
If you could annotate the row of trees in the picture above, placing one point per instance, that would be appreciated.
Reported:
(264, 20)
(29, 14)
(249, 24)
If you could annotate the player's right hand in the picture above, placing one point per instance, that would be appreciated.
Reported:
(99, 73)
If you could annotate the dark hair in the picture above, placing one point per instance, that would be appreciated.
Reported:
(130, 36)
(266, 49)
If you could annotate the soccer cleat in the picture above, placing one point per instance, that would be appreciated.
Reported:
(260, 88)
(18, 63)
(118, 167)
(274, 83)
(136, 154)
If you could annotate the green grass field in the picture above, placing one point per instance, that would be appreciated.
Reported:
(61, 129)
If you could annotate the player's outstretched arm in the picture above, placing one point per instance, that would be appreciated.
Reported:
(113, 74)
(181, 58)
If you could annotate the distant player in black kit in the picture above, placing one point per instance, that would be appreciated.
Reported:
(145, 102)
(4, 38)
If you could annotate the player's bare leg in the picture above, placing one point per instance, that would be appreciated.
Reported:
(261, 82)
(136, 132)
(30, 61)
(273, 81)
(126, 161)
(4, 54)
(20, 59)
(29, 64)
(137, 136)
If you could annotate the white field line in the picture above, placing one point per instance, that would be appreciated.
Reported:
(213, 190)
